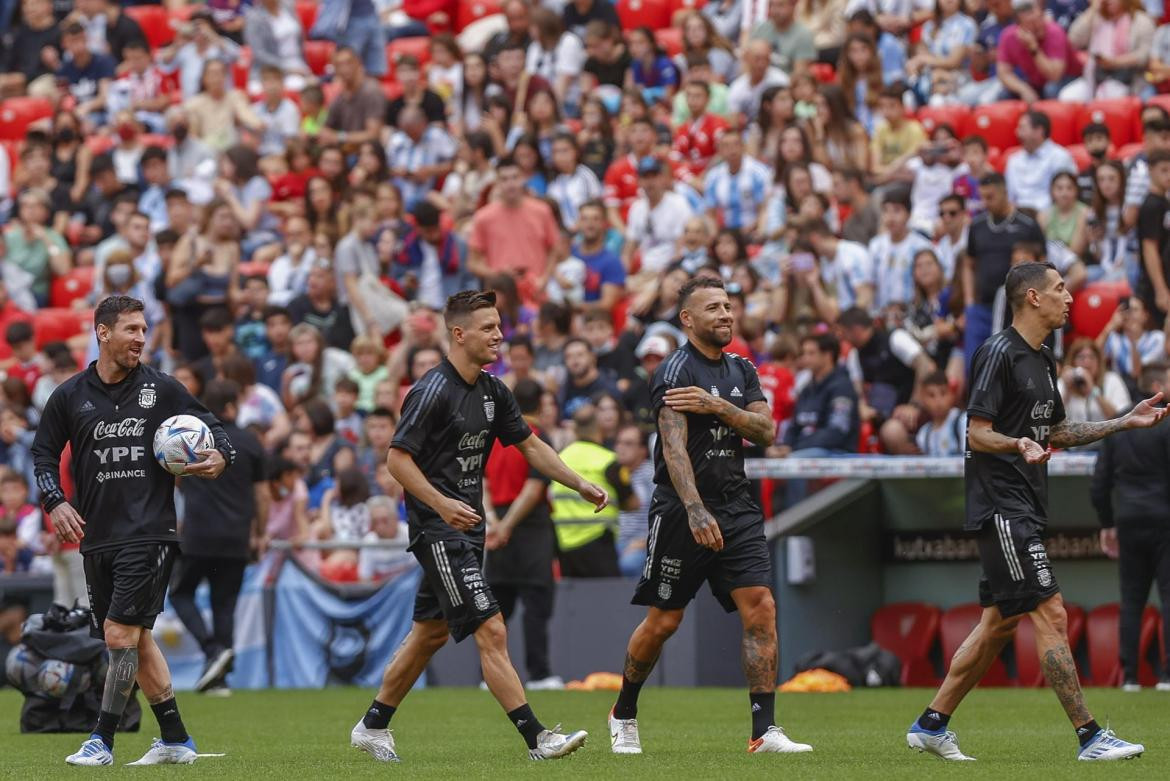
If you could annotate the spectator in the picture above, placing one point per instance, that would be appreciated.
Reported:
(196, 43)
(1117, 36)
(656, 220)
(355, 114)
(747, 91)
(272, 30)
(825, 421)
(321, 308)
(736, 187)
(1131, 499)
(892, 252)
(586, 543)
(34, 247)
(792, 44)
(1030, 171)
(1128, 341)
(1034, 59)
(1090, 390)
(584, 379)
(945, 431)
(515, 233)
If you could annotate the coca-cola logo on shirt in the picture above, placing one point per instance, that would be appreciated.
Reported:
(129, 427)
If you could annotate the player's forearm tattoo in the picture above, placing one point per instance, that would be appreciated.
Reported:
(759, 658)
(1069, 434)
(754, 424)
(120, 679)
(166, 694)
(1061, 672)
(672, 427)
(637, 671)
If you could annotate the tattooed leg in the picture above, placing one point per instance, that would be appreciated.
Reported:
(973, 659)
(1057, 661)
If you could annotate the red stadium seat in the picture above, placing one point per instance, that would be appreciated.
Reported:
(307, 12)
(16, 114)
(1063, 117)
(956, 624)
(997, 122)
(670, 40)
(60, 325)
(957, 117)
(74, 286)
(471, 11)
(1093, 306)
(823, 72)
(654, 14)
(419, 48)
(318, 55)
(1028, 670)
(155, 22)
(1118, 115)
(909, 630)
(1104, 626)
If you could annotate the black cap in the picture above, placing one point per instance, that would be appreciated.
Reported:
(992, 178)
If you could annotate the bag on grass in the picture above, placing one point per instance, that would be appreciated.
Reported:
(867, 665)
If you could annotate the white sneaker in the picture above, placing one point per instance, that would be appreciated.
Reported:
(1107, 746)
(217, 667)
(944, 745)
(551, 683)
(623, 735)
(554, 744)
(774, 741)
(161, 753)
(378, 743)
(92, 753)
(1130, 687)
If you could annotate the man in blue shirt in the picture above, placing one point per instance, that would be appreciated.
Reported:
(605, 277)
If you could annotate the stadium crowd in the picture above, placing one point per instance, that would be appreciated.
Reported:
(294, 190)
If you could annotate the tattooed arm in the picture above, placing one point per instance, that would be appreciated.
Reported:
(1144, 415)
(754, 424)
(672, 427)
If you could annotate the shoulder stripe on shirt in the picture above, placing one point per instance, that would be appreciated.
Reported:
(995, 352)
(427, 398)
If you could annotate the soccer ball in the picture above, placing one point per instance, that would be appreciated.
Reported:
(22, 668)
(54, 678)
(178, 441)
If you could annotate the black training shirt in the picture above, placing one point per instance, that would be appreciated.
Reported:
(990, 242)
(123, 494)
(715, 450)
(448, 427)
(1015, 388)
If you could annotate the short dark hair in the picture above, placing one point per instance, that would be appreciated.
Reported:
(426, 214)
(463, 303)
(215, 319)
(110, 309)
(219, 394)
(1022, 278)
(936, 378)
(855, 316)
(825, 342)
(697, 283)
(528, 394)
(18, 333)
(1040, 119)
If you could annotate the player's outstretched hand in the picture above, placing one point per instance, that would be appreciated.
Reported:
(67, 523)
(692, 399)
(457, 514)
(1032, 451)
(210, 467)
(1146, 413)
(595, 495)
(704, 527)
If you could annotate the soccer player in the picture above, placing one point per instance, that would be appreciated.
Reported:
(704, 523)
(125, 519)
(1015, 414)
(450, 420)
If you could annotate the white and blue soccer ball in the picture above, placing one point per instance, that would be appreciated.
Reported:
(178, 441)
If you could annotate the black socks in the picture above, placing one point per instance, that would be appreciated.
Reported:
(763, 712)
(933, 721)
(627, 701)
(378, 716)
(1087, 732)
(107, 725)
(170, 724)
(527, 723)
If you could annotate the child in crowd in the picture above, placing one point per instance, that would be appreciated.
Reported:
(370, 370)
(349, 422)
(944, 433)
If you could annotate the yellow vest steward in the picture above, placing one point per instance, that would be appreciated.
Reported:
(589, 460)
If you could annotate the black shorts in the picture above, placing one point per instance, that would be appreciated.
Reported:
(1017, 575)
(676, 565)
(453, 586)
(127, 585)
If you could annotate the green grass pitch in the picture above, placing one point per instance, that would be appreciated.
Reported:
(686, 734)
